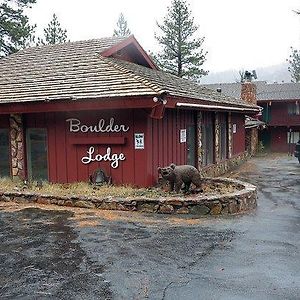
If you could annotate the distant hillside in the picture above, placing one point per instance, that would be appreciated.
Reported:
(278, 73)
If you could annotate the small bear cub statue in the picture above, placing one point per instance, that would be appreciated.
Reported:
(177, 175)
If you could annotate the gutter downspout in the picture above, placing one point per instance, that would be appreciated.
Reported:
(194, 105)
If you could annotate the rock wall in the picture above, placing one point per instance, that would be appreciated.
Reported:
(248, 92)
(17, 146)
(251, 141)
(242, 200)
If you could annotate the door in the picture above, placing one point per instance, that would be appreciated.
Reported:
(37, 153)
(191, 145)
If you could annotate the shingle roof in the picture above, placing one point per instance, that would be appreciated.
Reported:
(279, 91)
(77, 70)
(265, 91)
(176, 86)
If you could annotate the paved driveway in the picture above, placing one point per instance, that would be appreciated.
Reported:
(86, 254)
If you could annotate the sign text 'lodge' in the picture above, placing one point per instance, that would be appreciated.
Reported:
(113, 158)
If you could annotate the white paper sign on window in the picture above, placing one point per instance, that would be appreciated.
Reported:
(182, 135)
(139, 141)
(233, 128)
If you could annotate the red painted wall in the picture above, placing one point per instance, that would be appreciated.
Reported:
(279, 139)
(279, 115)
(165, 140)
(278, 126)
(140, 166)
(238, 138)
(4, 121)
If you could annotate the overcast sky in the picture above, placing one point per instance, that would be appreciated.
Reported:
(239, 34)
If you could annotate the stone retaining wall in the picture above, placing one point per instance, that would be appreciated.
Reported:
(244, 199)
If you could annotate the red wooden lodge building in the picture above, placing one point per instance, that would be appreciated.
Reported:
(280, 103)
(68, 109)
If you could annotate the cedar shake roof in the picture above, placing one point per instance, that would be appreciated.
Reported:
(77, 70)
(265, 91)
(175, 86)
(279, 91)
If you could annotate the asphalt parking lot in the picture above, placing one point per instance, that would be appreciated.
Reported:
(49, 252)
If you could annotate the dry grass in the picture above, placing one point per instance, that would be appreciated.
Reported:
(78, 189)
(105, 191)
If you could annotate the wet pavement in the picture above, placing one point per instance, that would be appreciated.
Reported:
(49, 252)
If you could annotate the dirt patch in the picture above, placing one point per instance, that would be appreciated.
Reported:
(94, 217)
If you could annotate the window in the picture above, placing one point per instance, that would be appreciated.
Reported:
(223, 138)
(293, 109)
(266, 113)
(37, 157)
(207, 139)
(293, 137)
(4, 153)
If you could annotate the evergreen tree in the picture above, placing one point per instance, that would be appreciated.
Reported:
(182, 53)
(53, 33)
(15, 31)
(294, 67)
(122, 29)
(294, 61)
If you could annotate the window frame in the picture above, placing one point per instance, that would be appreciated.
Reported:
(7, 156)
(29, 131)
(293, 109)
(208, 139)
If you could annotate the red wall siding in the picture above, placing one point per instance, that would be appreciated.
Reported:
(64, 157)
(162, 145)
(279, 115)
(164, 142)
(238, 139)
(279, 139)
(4, 121)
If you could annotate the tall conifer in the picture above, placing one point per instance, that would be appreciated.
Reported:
(15, 31)
(182, 53)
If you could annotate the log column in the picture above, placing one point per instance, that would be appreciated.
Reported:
(230, 136)
(17, 146)
(217, 138)
(199, 140)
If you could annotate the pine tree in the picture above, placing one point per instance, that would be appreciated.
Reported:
(122, 29)
(15, 31)
(53, 33)
(182, 53)
(294, 61)
(294, 67)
